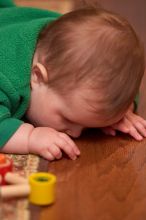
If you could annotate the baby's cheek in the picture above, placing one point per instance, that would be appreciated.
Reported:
(57, 123)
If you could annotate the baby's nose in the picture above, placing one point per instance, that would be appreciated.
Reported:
(75, 133)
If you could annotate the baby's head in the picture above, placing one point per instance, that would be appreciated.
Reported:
(93, 58)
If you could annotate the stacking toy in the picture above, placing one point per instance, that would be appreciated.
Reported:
(6, 165)
(39, 187)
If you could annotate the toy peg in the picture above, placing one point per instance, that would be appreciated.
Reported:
(14, 191)
(14, 178)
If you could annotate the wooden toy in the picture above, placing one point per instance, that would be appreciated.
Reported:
(6, 165)
(40, 187)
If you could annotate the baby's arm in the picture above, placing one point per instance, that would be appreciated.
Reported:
(43, 141)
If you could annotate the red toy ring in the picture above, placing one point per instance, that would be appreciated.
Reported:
(6, 165)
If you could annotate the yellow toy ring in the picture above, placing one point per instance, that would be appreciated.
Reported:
(42, 188)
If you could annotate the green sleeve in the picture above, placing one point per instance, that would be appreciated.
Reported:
(136, 102)
(8, 125)
(6, 3)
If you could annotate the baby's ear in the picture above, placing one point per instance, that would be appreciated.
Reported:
(39, 74)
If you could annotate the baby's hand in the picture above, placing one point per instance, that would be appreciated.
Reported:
(131, 124)
(49, 144)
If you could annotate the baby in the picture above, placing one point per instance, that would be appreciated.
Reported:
(65, 73)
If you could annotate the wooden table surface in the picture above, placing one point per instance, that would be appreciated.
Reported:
(108, 181)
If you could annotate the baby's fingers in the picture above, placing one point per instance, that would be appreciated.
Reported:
(143, 121)
(47, 155)
(70, 142)
(138, 122)
(135, 133)
(140, 128)
(109, 131)
(126, 126)
(55, 151)
(67, 148)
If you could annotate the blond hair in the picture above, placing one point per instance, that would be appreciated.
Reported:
(97, 49)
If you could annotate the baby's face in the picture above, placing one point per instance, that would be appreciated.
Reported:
(69, 114)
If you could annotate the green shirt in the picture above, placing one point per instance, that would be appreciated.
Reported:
(19, 29)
